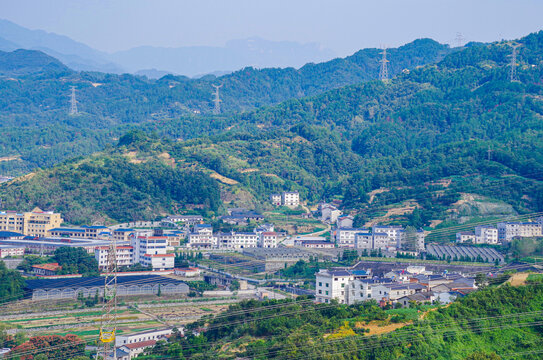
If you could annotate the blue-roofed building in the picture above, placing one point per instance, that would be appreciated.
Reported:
(69, 288)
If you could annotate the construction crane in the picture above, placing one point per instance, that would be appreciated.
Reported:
(108, 319)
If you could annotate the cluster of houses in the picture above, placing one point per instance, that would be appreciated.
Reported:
(504, 232)
(406, 286)
(380, 237)
(203, 237)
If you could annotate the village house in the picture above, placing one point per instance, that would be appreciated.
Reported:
(48, 269)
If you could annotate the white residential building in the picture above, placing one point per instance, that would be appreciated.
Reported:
(6, 250)
(393, 232)
(138, 337)
(123, 254)
(290, 198)
(330, 213)
(465, 236)
(236, 241)
(332, 284)
(202, 237)
(267, 239)
(276, 199)
(395, 291)
(360, 290)
(364, 240)
(382, 241)
(345, 221)
(152, 251)
(345, 237)
(509, 230)
(486, 235)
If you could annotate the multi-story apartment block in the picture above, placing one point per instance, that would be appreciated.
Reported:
(290, 198)
(360, 290)
(34, 223)
(152, 251)
(124, 256)
(122, 234)
(509, 230)
(236, 241)
(345, 237)
(331, 284)
(393, 232)
(364, 240)
(267, 239)
(202, 237)
(276, 199)
(486, 235)
(6, 250)
(334, 284)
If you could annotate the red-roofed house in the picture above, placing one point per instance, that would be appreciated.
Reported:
(46, 269)
(187, 272)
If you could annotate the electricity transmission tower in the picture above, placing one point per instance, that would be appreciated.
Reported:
(383, 71)
(73, 102)
(459, 39)
(513, 64)
(108, 320)
(217, 100)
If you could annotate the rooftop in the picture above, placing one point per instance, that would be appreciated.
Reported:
(97, 281)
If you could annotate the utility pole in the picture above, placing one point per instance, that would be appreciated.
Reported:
(383, 71)
(489, 151)
(513, 64)
(217, 100)
(73, 102)
(108, 320)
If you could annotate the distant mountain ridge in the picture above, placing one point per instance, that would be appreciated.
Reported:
(189, 61)
(74, 54)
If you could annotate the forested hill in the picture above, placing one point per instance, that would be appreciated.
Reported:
(40, 133)
(29, 62)
(459, 126)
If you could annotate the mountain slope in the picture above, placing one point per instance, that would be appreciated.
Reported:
(423, 139)
(35, 108)
(29, 62)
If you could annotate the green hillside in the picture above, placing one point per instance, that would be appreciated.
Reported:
(40, 133)
(493, 323)
(459, 126)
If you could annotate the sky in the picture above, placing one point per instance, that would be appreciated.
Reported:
(344, 26)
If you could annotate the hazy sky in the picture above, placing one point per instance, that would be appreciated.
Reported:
(341, 25)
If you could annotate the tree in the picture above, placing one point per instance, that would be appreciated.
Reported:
(76, 260)
(481, 280)
(11, 285)
(234, 285)
(480, 355)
